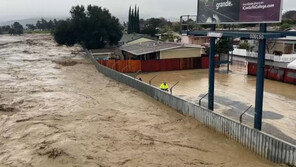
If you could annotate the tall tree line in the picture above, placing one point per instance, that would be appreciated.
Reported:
(134, 20)
(15, 29)
(43, 25)
(4, 29)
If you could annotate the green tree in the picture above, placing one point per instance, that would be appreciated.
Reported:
(42, 24)
(16, 29)
(138, 21)
(150, 30)
(38, 24)
(176, 27)
(55, 22)
(64, 33)
(31, 26)
(285, 26)
(134, 20)
(153, 26)
(223, 46)
(6, 28)
(50, 25)
(92, 28)
(245, 45)
(79, 23)
(129, 27)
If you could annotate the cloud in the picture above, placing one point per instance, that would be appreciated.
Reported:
(18, 9)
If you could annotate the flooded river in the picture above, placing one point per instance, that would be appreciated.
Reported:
(235, 93)
(57, 110)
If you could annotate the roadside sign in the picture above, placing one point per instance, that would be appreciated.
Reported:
(239, 11)
(215, 34)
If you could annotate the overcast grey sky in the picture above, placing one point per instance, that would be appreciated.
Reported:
(22, 9)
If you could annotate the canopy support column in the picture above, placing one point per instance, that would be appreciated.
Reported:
(260, 80)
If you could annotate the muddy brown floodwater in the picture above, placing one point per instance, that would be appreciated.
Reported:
(234, 93)
(57, 110)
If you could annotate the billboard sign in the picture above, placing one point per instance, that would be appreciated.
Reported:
(239, 11)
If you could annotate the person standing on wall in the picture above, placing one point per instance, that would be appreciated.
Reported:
(164, 87)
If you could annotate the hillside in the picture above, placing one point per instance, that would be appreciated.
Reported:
(27, 21)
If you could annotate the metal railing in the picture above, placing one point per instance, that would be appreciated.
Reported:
(171, 89)
(241, 116)
(114, 65)
(271, 69)
(138, 73)
(152, 79)
(199, 102)
(124, 68)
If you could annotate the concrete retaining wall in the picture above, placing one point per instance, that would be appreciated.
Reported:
(265, 145)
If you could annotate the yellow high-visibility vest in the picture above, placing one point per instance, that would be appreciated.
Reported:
(164, 87)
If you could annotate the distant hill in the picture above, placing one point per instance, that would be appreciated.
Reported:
(23, 22)
(27, 21)
(290, 15)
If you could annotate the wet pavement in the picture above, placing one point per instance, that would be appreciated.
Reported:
(235, 93)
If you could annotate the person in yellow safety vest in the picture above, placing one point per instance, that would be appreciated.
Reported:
(164, 87)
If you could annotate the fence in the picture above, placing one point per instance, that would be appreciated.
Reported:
(283, 58)
(265, 145)
(132, 66)
(275, 73)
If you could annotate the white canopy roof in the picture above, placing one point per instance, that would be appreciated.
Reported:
(292, 65)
